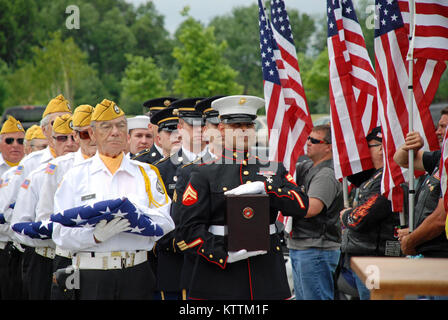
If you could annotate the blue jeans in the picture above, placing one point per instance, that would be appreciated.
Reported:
(313, 271)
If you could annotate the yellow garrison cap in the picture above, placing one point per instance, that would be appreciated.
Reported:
(58, 104)
(38, 134)
(106, 110)
(30, 131)
(63, 124)
(12, 125)
(82, 115)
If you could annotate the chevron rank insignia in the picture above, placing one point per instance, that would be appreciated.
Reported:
(190, 196)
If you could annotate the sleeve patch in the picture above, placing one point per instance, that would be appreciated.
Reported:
(190, 196)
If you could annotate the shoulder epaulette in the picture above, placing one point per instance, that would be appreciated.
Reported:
(140, 153)
(161, 160)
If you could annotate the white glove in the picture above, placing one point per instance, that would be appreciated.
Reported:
(105, 230)
(248, 188)
(243, 254)
(4, 228)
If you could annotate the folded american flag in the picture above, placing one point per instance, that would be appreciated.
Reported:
(90, 215)
(36, 230)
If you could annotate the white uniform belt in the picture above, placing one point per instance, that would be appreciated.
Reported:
(3, 244)
(46, 252)
(218, 230)
(63, 253)
(109, 260)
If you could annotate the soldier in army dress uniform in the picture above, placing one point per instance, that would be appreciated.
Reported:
(193, 148)
(218, 273)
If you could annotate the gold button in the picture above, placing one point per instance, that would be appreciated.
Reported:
(279, 190)
(248, 182)
(270, 187)
(246, 173)
(235, 154)
(248, 154)
(210, 256)
(289, 192)
(202, 250)
(244, 163)
(221, 261)
(278, 248)
(224, 188)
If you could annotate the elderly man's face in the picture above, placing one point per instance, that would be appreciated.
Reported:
(38, 144)
(11, 146)
(82, 136)
(110, 136)
(48, 129)
(64, 143)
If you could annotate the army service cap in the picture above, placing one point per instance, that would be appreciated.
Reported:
(375, 134)
(106, 110)
(57, 104)
(205, 107)
(186, 110)
(238, 109)
(12, 125)
(166, 119)
(157, 104)
(30, 131)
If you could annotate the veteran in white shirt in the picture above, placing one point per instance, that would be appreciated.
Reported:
(113, 264)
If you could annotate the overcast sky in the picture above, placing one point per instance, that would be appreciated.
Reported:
(205, 10)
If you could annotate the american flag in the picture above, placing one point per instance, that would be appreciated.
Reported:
(89, 216)
(297, 123)
(431, 28)
(353, 102)
(391, 47)
(443, 171)
(289, 121)
(36, 230)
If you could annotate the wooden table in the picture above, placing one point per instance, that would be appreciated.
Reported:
(394, 278)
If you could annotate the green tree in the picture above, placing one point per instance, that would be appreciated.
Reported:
(240, 30)
(203, 70)
(315, 81)
(57, 67)
(18, 20)
(142, 80)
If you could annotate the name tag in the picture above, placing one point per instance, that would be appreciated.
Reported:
(88, 197)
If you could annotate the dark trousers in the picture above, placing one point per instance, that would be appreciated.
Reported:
(58, 293)
(135, 283)
(39, 274)
(11, 287)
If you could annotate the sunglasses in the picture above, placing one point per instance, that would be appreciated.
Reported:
(315, 141)
(375, 145)
(11, 140)
(62, 138)
(83, 135)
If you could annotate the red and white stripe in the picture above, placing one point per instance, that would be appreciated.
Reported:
(431, 28)
(354, 110)
(392, 78)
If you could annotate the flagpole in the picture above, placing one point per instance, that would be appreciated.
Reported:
(345, 192)
(410, 59)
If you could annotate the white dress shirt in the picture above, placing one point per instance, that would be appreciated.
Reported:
(90, 182)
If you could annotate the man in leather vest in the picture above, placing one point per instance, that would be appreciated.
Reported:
(314, 243)
(370, 225)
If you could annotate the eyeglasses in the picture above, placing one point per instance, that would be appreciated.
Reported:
(63, 138)
(375, 145)
(316, 141)
(11, 140)
(83, 135)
